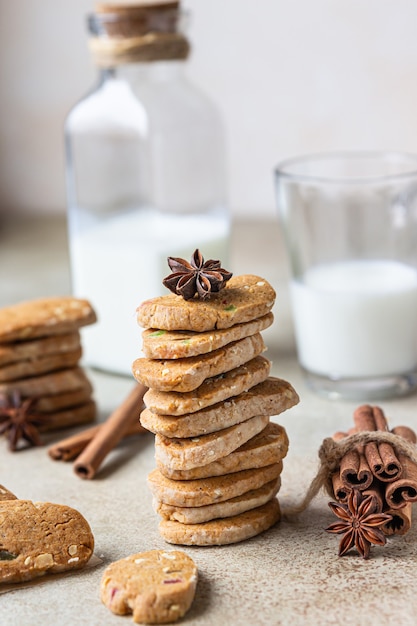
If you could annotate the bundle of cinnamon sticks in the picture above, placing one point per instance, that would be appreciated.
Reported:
(89, 448)
(376, 466)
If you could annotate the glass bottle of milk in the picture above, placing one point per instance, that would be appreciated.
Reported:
(145, 174)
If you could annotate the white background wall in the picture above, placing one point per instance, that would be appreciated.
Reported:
(290, 76)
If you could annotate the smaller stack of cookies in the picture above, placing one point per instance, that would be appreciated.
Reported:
(40, 352)
(210, 398)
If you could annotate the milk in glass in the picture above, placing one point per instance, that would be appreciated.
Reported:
(356, 318)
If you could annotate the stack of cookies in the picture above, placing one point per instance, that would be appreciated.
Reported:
(40, 352)
(209, 403)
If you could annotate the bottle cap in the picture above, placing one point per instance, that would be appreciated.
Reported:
(141, 31)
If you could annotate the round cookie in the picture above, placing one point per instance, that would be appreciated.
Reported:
(204, 491)
(271, 397)
(156, 586)
(183, 454)
(41, 538)
(228, 508)
(266, 448)
(243, 299)
(44, 317)
(187, 374)
(43, 364)
(212, 390)
(178, 344)
(222, 531)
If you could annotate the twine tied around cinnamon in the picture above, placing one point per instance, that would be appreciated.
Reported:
(331, 453)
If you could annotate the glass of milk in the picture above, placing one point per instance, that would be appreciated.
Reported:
(350, 226)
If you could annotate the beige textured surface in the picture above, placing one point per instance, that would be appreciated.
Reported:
(289, 575)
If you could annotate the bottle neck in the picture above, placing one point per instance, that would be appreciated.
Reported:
(155, 71)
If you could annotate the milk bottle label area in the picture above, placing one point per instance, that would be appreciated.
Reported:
(342, 310)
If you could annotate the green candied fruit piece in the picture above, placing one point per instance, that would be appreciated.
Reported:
(157, 333)
(5, 555)
(186, 341)
(231, 307)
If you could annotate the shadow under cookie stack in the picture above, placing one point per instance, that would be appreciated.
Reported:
(209, 403)
(40, 352)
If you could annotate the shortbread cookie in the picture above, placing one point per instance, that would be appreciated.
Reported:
(48, 384)
(157, 586)
(271, 397)
(243, 299)
(228, 508)
(39, 538)
(212, 390)
(31, 349)
(268, 447)
(59, 401)
(74, 416)
(188, 453)
(44, 317)
(187, 374)
(178, 344)
(222, 531)
(209, 490)
(41, 365)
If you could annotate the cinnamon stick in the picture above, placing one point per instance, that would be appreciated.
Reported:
(110, 434)
(364, 418)
(381, 457)
(404, 490)
(406, 433)
(69, 448)
(376, 491)
(401, 520)
(383, 461)
(355, 471)
(341, 491)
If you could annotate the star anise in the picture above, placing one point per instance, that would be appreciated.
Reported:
(360, 523)
(198, 277)
(18, 420)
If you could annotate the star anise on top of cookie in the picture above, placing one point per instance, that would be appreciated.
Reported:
(197, 277)
(360, 523)
(19, 421)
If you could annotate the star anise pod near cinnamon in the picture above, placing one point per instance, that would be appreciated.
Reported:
(360, 524)
(200, 277)
(19, 420)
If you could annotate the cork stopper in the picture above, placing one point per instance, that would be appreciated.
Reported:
(140, 31)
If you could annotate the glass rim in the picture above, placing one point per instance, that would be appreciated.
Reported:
(283, 168)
